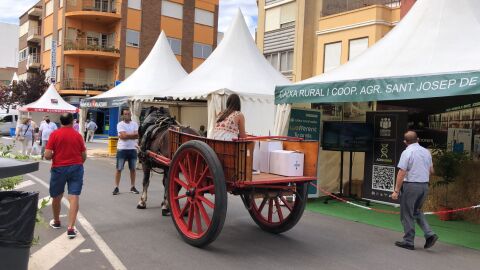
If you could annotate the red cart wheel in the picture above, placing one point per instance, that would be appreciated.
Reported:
(197, 193)
(273, 212)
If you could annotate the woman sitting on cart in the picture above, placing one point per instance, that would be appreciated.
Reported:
(231, 122)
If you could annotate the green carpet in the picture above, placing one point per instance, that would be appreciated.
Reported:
(460, 233)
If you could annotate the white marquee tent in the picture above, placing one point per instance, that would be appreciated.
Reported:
(236, 65)
(50, 102)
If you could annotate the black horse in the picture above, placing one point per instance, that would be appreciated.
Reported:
(153, 135)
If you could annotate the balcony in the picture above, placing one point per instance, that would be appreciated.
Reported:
(102, 11)
(35, 11)
(34, 34)
(92, 47)
(33, 60)
(85, 87)
(331, 7)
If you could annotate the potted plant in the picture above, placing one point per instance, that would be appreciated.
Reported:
(448, 166)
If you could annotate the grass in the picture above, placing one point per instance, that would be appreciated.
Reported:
(457, 232)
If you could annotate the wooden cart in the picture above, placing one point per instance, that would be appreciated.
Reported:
(202, 171)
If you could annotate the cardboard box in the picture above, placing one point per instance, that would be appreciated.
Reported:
(286, 163)
(265, 148)
(256, 156)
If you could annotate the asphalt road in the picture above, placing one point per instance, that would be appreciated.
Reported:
(143, 239)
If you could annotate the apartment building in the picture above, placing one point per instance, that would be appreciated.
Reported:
(94, 43)
(30, 39)
(304, 38)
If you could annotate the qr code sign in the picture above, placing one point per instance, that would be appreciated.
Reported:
(383, 178)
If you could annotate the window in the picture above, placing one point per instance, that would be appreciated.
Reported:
(60, 3)
(48, 43)
(22, 55)
(49, 8)
(333, 52)
(204, 17)
(281, 16)
(24, 29)
(176, 45)
(357, 47)
(135, 4)
(60, 37)
(201, 50)
(171, 9)
(133, 38)
(129, 71)
(7, 119)
(281, 61)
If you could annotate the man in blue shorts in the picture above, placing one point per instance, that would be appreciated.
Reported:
(126, 149)
(67, 149)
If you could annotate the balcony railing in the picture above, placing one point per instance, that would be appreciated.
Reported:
(90, 44)
(331, 7)
(87, 84)
(34, 34)
(108, 6)
(33, 59)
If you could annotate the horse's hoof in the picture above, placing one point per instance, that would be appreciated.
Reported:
(165, 212)
(139, 206)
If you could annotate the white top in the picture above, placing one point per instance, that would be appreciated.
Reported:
(129, 128)
(91, 126)
(47, 129)
(416, 161)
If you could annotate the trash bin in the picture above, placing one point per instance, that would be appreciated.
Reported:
(18, 210)
(12, 132)
(112, 145)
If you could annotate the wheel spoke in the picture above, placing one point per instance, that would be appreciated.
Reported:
(197, 218)
(202, 176)
(189, 165)
(182, 213)
(191, 213)
(180, 197)
(262, 204)
(287, 204)
(197, 160)
(270, 210)
(279, 210)
(184, 171)
(180, 182)
(207, 188)
(205, 216)
(206, 201)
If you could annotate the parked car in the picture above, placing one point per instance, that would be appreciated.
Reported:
(7, 122)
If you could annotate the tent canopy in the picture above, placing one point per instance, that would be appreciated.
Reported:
(50, 102)
(236, 65)
(432, 52)
(159, 71)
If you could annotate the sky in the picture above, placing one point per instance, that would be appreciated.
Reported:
(10, 11)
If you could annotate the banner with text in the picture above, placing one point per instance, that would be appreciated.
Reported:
(304, 124)
(381, 89)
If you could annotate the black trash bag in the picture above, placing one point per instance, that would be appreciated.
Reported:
(18, 210)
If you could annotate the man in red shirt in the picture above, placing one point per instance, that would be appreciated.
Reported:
(67, 149)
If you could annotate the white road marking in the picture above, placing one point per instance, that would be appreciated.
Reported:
(24, 184)
(106, 250)
(55, 251)
(86, 250)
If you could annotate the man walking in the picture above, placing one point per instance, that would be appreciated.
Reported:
(46, 128)
(415, 167)
(67, 149)
(126, 149)
(91, 128)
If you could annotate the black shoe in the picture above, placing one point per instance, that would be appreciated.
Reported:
(430, 241)
(404, 245)
(55, 224)
(134, 190)
(71, 233)
(116, 191)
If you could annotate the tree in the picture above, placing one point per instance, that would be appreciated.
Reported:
(24, 92)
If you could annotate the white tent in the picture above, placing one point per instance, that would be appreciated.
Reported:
(159, 71)
(237, 66)
(434, 48)
(14, 78)
(51, 102)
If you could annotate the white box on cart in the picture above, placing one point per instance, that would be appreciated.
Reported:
(265, 148)
(286, 163)
(256, 156)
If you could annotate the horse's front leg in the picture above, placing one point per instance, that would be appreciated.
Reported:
(165, 205)
(142, 204)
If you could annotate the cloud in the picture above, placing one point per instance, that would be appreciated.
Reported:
(228, 9)
(11, 10)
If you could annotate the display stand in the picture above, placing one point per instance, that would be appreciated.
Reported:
(340, 193)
